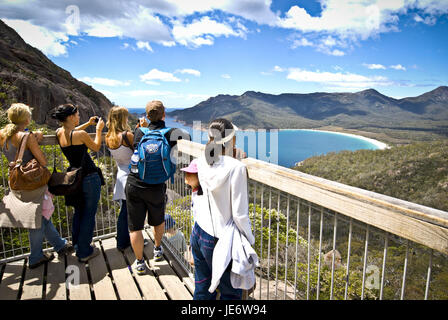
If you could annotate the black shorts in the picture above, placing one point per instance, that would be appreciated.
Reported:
(142, 202)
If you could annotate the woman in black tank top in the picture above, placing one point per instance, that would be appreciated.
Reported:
(74, 142)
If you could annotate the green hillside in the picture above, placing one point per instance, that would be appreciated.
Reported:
(417, 172)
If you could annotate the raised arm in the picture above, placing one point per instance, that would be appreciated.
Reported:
(84, 126)
(93, 145)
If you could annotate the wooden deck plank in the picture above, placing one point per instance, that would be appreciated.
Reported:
(55, 288)
(188, 282)
(81, 291)
(148, 283)
(101, 280)
(171, 282)
(9, 287)
(33, 284)
(127, 290)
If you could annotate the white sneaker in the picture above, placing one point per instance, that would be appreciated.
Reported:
(141, 267)
(158, 253)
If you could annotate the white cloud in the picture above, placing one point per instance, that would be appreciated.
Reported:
(278, 69)
(168, 22)
(334, 52)
(344, 18)
(49, 42)
(105, 81)
(337, 79)
(429, 20)
(103, 29)
(168, 43)
(202, 32)
(143, 45)
(156, 75)
(374, 66)
(193, 72)
(347, 21)
(398, 67)
(226, 76)
(301, 42)
(324, 44)
(255, 10)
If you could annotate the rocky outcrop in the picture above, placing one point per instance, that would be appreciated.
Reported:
(28, 76)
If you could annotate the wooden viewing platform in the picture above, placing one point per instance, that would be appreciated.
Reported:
(109, 276)
(297, 220)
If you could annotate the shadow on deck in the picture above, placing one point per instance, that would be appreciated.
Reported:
(109, 276)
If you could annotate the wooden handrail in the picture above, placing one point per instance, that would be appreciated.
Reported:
(412, 221)
(51, 139)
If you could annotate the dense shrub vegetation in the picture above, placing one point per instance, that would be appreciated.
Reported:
(417, 172)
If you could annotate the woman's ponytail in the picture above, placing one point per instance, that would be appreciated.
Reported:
(220, 133)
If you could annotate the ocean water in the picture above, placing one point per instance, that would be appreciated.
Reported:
(283, 147)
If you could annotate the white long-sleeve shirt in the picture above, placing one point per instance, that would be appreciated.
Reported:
(225, 188)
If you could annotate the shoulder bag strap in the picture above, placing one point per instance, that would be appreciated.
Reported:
(124, 137)
(21, 150)
(71, 137)
(54, 150)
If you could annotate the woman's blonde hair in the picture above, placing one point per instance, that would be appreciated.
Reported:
(116, 123)
(18, 113)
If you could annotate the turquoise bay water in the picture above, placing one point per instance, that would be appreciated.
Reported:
(288, 146)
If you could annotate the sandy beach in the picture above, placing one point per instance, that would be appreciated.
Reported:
(380, 145)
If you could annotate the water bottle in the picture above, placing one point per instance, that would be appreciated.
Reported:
(134, 162)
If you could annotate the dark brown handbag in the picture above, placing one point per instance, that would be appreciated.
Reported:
(29, 176)
(65, 183)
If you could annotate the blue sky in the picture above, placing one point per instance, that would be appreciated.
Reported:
(183, 52)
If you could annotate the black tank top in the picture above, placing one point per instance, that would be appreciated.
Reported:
(78, 156)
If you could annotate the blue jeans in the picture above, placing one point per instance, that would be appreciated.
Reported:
(123, 239)
(84, 218)
(202, 246)
(36, 237)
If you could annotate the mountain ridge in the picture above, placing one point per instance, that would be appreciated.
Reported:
(364, 109)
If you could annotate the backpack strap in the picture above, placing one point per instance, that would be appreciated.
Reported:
(145, 130)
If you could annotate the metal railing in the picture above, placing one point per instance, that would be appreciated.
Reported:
(14, 243)
(316, 239)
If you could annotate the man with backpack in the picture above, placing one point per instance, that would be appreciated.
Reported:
(145, 190)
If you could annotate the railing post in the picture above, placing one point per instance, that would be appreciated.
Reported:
(347, 273)
(365, 261)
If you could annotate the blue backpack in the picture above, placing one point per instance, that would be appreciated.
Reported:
(155, 164)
